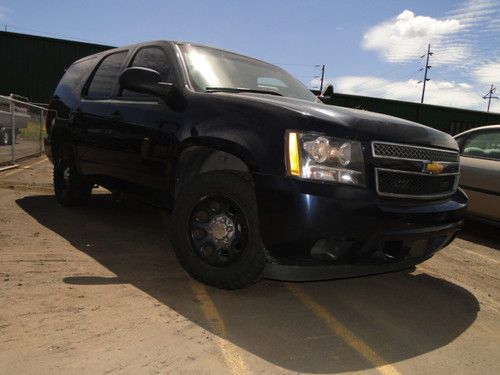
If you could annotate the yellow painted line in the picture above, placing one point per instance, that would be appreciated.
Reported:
(380, 364)
(232, 358)
(21, 168)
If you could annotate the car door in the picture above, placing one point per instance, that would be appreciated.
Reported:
(480, 172)
(143, 126)
(90, 118)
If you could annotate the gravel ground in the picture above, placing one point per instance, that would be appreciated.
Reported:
(98, 290)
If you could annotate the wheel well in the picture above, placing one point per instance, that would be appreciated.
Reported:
(200, 159)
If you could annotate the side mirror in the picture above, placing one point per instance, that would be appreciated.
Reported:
(147, 81)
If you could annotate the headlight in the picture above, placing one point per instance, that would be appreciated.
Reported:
(317, 157)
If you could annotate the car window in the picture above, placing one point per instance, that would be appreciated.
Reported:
(105, 77)
(153, 58)
(72, 82)
(484, 145)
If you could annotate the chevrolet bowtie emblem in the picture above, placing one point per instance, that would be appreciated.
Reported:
(434, 167)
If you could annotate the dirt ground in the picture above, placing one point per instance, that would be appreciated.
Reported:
(98, 290)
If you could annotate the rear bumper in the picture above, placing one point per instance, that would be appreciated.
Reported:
(317, 231)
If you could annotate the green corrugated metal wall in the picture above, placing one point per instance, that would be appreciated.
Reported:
(448, 119)
(31, 66)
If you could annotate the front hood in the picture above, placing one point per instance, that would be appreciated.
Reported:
(360, 124)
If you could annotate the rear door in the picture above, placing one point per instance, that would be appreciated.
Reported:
(91, 120)
(480, 173)
(143, 125)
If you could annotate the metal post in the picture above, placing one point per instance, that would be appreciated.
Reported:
(490, 96)
(322, 78)
(425, 75)
(13, 130)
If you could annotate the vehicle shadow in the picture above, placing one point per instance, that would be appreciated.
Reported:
(399, 315)
(481, 234)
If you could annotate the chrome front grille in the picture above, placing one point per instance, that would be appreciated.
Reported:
(408, 171)
(393, 150)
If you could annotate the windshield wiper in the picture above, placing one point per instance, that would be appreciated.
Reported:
(240, 89)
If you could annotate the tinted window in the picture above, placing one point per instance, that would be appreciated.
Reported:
(152, 58)
(72, 82)
(106, 75)
(485, 145)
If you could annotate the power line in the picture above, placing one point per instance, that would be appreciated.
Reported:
(401, 78)
(490, 96)
(382, 76)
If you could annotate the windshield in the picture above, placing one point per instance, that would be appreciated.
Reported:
(215, 70)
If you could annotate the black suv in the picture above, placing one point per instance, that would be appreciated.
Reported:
(262, 178)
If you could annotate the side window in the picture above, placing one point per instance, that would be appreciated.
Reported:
(484, 145)
(152, 58)
(105, 77)
(72, 82)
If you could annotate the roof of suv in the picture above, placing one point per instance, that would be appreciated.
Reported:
(174, 42)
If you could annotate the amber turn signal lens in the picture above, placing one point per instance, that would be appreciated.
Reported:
(293, 154)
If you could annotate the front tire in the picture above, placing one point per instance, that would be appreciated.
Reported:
(215, 230)
(70, 187)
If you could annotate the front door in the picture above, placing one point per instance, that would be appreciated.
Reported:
(143, 126)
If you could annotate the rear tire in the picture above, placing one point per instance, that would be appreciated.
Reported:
(215, 230)
(70, 187)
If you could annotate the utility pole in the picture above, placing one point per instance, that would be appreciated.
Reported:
(490, 96)
(322, 77)
(427, 67)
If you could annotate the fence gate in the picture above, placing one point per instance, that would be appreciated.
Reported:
(22, 129)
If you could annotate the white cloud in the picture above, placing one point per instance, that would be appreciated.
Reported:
(406, 36)
(475, 12)
(447, 93)
(488, 73)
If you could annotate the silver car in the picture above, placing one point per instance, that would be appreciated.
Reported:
(480, 171)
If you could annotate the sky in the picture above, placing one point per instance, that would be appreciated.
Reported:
(370, 48)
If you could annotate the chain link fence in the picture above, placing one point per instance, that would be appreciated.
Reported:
(22, 129)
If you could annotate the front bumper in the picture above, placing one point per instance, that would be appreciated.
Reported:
(315, 231)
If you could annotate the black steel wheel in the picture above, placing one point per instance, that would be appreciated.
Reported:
(218, 230)
(215, 230)
(70, 187)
